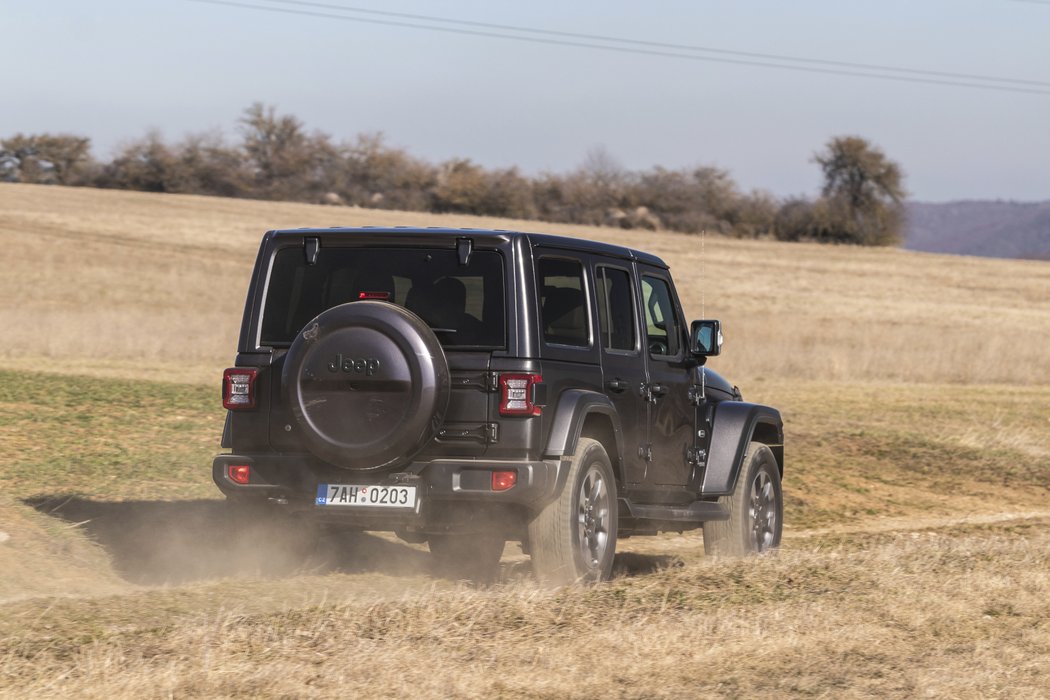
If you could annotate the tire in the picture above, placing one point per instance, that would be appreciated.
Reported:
(756, 509)
(467, 556)
(368, 384)
(574, 537)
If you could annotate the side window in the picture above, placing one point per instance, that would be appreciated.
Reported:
(615, 308)
(661, 323)
(563, 303)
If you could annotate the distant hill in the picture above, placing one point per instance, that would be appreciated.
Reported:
(994, 229)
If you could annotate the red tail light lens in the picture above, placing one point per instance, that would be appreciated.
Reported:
(239, 473)
(504, 480)
(516, 397)
(238, 388)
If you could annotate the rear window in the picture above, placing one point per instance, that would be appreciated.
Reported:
(615, 308)
(463, 304)
(563, 302)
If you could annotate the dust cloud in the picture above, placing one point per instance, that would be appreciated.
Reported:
(169, 543)
(178, 542)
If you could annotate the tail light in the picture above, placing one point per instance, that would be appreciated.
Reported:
(504, 480)
(238, 388)
(516, 394)
(239, 473)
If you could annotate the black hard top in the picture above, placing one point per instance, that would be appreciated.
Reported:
(498, 235)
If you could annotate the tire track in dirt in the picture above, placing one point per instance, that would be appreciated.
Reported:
(908, 524)
(692, 542)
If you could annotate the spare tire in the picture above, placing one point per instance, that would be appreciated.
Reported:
(368, 383)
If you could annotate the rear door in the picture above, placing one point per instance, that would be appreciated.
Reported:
(671, 414)
(623, 363)
(463, 302)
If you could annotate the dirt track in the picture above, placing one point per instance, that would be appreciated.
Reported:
(171, 543)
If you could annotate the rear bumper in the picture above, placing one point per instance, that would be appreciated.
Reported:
(452, 495)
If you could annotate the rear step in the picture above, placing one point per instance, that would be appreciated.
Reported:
(696, 512)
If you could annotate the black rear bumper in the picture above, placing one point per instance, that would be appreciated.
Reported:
(452, 495)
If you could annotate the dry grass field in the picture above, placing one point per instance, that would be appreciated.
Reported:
(933, 613)
(114, 283)
(916, 557)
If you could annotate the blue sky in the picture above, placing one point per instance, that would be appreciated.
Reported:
(112, 69)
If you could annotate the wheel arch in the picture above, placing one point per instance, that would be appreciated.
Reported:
(582, 413)
(771, 435)
(736, 424)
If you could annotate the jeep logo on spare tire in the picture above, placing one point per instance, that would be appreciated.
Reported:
(362, 365)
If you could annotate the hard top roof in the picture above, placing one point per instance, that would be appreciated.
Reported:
(535, 239)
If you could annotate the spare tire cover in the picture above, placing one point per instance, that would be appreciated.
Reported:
(368, 384)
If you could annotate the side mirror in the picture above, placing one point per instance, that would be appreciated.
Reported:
(705, 338)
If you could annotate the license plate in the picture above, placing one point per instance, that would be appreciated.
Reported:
(366, 496)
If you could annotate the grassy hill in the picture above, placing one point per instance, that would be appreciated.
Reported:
(916, 557)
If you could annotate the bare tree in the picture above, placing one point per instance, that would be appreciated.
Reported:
(864, 192)
(53, 159)
(147, 165)
(386, 177)
(205, 164)
(278, 151)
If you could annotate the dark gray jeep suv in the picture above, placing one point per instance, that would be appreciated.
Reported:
(466, 388)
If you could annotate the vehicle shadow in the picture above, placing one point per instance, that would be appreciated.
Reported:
(634, 564)
(174, 542)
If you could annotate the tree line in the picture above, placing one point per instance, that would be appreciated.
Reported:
(277, 158)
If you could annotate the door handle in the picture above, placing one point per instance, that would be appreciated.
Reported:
(616, 385)
(658, 389)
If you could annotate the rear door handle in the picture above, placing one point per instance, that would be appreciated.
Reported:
(658, 389)
(616, 385)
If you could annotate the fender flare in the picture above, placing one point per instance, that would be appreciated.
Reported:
(734, 426)
(570, 414)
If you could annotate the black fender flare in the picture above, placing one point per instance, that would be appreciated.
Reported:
(734, 426)
(571, 413)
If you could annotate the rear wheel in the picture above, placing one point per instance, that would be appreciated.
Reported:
(756, 509)
(574, 537)
(470, 556)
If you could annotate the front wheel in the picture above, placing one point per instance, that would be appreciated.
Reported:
(574, 537)
(756, 509)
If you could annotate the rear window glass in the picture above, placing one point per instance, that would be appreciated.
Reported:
(463, 304)
(615, 308)
(563, 303)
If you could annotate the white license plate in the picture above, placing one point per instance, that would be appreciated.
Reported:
(366, 496)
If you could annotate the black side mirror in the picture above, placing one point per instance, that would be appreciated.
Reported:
(705, 338)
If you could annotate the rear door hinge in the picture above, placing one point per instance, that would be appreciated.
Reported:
(486, 433)
(646, 452)
(487, 381)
